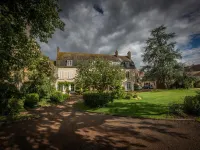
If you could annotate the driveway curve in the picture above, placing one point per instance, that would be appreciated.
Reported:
(63, 127)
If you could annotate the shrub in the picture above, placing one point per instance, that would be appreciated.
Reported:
(176, 109)
(31, 100)
(137, 87)
(57, 97)
(14, 106)
(7, 91)
(192, 104)
(197, 84)
(119, 92)
(93, 99)
(65, 96)
(128, 96)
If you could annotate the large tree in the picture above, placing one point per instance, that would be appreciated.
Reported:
(160, 57)
(22, 22)
(99, 74)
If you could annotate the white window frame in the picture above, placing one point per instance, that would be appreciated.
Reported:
(69, 62)
(128, 86)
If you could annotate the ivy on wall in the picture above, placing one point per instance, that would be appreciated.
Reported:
(64, 84)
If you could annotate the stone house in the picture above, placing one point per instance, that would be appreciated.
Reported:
(66, 67)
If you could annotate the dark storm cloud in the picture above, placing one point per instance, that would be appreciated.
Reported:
(124, 25)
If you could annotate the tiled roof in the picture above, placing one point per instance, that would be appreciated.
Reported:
(193, 68)
(82, 56)
(86, 56)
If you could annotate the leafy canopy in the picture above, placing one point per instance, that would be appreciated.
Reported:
(160, 57)
(99, 74)
(22, 22)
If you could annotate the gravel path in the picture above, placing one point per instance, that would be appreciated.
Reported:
(63, 127)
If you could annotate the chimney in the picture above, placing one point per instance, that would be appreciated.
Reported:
(116, 53)
(129, 54)
(58, 50)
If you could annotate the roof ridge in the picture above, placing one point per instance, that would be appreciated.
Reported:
(90, 54)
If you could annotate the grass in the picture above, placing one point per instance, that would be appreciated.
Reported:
(152, 105)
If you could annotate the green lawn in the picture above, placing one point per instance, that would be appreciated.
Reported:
(152, 104)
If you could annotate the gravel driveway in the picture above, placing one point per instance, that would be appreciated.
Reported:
(63, 127)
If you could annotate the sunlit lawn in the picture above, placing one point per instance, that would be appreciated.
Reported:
(152, 104)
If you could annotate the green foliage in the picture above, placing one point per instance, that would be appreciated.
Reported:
(58, 97)
(7, 91)
(41, 78)
(64, 84)
(197, 84)
(192, 104)
(176, 109)
(137, 87)
(161, 57)
(152, 104)
(119, 92)
(31, 100)
(22, 22)
(14, 106)
(98, 74)
(128, 96)
(65, 96)
(93, 99)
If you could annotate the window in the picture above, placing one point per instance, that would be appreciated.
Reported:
(127, 74)
(68, 75)
(69, 62)
(128, 86)
(60, 75)
(127, 64)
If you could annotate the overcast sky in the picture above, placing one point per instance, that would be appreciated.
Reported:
(125, 26)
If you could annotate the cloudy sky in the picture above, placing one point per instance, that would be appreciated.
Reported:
(125, 26)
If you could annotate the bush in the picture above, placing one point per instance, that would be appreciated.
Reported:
(119, 92)
(65, 96)
(7, 91)
(197, 84)
(176, 109)
(31, 100)
(137, 87)
(57, 97)
(192, 104)
(93, 99)
(128, 96)
(14, 106)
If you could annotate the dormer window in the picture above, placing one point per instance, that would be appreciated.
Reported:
(69, 62)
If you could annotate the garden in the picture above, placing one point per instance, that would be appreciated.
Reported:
(158, 104)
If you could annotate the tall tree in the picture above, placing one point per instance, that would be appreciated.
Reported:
(99, 74)
(22, 22)
(160, 57)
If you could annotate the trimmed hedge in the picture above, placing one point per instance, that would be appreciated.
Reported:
(192, 104)
(93, 99)
(31, 100)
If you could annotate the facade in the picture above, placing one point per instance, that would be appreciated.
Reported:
(66, 67)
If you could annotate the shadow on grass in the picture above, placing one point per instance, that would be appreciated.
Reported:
(135, 109)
